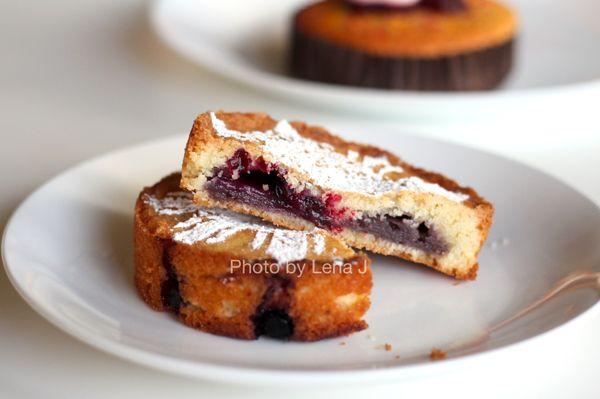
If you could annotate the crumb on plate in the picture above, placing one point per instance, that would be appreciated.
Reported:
(437, 354)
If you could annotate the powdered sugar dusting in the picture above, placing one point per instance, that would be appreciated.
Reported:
(176, 203)
(328, 168)
(318, 244)
(259, 239)
(288, 245)
(214, 226)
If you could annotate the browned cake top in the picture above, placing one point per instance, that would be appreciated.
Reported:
(171, 214)
(418, 33)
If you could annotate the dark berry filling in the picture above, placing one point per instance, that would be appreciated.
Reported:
(444, 6)
(402, 230)
(263, 186)
(274, 323)
(271, 318)
(169, 290)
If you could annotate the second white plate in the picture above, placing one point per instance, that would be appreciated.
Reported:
(558, 65)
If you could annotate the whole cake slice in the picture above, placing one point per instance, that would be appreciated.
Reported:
(431, 45)
(235, 275)
(300, 176)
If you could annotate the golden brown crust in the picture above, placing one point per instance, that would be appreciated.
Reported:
(149, 274)
(418, 33)
(218, 300)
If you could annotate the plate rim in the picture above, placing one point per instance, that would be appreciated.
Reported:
(242, 375)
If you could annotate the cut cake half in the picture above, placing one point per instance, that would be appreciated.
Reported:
(300, 176)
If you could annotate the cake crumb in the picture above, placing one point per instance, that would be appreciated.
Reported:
(437, 354)
(397, 357)
(387, 347)
(342, 344)
(370, 337)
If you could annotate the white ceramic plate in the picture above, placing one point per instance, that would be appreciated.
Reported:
(68, 251)
(558, 62)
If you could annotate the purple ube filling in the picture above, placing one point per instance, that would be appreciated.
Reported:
(401, 230)
(263, 186)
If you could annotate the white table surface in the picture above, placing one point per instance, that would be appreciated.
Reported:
(81, 78)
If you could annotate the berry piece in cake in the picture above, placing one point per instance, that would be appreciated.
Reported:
(274, 323)
(299, 176)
